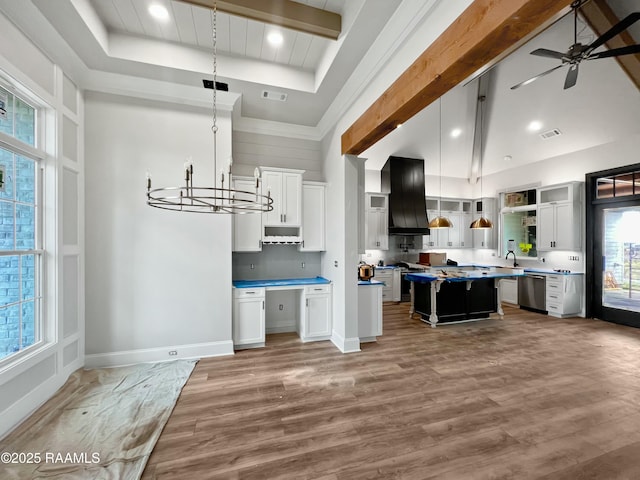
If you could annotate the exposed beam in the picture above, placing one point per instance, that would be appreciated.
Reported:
(285, 13)
(601, 18)
(481, 34)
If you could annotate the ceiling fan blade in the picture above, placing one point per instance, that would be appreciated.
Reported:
(622, 25)
(532, 79)
(572, 76)
(615, 52)
(543, 52)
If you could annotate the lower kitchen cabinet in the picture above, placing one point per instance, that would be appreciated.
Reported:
(563, 295)
(316, 322)
(369, 312)
(509, 290)
(392, 283)
(248, 317)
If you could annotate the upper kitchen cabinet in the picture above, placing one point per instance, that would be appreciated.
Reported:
(285, 187)
(459, 213)
(376, 221)
(484, 237)
(559, 217)
(313, 217)
(247, 229)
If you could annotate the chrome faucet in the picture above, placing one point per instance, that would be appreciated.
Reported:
(514, 257)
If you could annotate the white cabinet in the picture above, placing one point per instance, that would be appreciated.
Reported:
(285, 187)
(316, 321)
(369, 312)
(376, 221)
(509, 290)
(248, 317)
(558, 217)
(458, 211)
(391, 279)
(313, 217)
(484, 237)
(247, 228)
(563, 295)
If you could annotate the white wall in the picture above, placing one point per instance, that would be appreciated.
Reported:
(29, 382)
(251, 150)
(156, 280)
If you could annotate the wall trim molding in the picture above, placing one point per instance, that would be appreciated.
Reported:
(160, 354)
(345, 345)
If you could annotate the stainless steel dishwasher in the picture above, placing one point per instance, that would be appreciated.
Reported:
(532, 292)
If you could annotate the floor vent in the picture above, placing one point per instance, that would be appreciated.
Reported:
(551, 133)
(279, 96)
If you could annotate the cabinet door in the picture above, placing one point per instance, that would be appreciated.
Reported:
(272, 183)
(453, 240)
(291, 199)
(546, 227)
(383, 229)
(466, 234)
(247, 229)
(376, 237)
(564, 227)
(318, 316)
(313, 218)
(248, 321)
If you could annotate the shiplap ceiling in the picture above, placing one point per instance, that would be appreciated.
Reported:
(241, 37)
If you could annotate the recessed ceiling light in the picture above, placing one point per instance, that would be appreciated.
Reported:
(507, 158)
(275, 39)
(159, 12)
(399, 125)
(534, 126)
(456, 132)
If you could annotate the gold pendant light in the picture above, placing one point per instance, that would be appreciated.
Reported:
(482, 222)
(440, 221)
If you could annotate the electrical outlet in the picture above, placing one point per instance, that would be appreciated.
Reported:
(303, 265)
(335, 263)
(368, 254)
(574, 258)
(281, 307)
(173, 352)
(252, 266)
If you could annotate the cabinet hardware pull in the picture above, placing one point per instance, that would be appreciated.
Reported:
(251, 293)
(263, 304)
(307, 302)
(318, 289)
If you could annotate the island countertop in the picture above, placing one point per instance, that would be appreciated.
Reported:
(280, 282)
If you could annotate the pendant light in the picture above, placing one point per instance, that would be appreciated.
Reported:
(217, 198)
(482, 222)
(440, 221)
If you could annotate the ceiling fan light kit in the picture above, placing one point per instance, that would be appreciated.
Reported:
(579, 52)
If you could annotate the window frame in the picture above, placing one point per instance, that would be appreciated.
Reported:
(42, 331)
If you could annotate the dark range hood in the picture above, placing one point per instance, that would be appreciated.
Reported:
(403, 179)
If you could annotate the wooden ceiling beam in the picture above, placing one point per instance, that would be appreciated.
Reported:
(284, 13)
(480, 35)
(601, 18)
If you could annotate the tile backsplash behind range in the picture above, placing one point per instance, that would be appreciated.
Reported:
(275, 261)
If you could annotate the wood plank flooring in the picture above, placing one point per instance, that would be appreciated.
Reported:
(525, 397)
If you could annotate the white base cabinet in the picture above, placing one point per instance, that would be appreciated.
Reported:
(391, 279)
(248, 317)
(369, 312)
(509, 290)
(563, 295)
(316, 322)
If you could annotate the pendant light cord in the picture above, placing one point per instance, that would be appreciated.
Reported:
(214, 126)
(440, 154)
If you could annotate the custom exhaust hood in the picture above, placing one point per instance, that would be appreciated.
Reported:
(403, 179)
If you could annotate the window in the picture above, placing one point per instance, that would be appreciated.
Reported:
(20, 241)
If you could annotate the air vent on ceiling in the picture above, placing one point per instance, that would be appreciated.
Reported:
(554, 132)
(279, 96)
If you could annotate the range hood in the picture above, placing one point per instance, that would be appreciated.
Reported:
(403, 179)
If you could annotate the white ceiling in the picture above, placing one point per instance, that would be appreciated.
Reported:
(602, 107)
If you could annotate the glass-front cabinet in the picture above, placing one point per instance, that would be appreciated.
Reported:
(519, 222)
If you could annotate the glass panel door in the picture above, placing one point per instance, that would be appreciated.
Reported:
(621, 258)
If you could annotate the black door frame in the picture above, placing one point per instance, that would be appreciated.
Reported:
(594, 206)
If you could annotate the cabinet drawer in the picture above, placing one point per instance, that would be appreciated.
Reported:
(553, 287)
(554, 308)
(317, 289)
(553, 297)
(248, 292)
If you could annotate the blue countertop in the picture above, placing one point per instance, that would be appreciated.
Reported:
(430, 277)
(385, 267)
(370, 282)
(281, 282)
(548, 271)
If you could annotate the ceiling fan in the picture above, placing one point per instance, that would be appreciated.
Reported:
(579, 52)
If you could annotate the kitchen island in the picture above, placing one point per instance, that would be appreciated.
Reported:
(448, 296)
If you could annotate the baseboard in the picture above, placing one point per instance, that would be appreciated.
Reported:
(345, 345)
(282, 329)
(161, 354)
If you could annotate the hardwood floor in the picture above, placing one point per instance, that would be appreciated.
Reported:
(529, 396)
